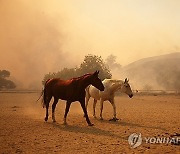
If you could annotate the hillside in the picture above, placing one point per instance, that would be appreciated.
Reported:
(160, 72)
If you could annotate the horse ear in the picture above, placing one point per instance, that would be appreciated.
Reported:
(125, 80)
(96, 72)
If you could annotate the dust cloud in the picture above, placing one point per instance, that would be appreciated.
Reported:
(31, 43)
(38, 37)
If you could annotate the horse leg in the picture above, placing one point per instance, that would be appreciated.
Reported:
(53, 109)
(66, 111)
(85, 112)
(47, 107)
(94, 107)
(87, 101)
(101, 109)
(114, 110)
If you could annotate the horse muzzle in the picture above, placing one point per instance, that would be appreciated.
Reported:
(131, 95)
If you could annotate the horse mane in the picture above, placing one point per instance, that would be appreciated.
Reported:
(114, 80)
(81, 77)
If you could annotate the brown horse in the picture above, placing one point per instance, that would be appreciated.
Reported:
(69, 90)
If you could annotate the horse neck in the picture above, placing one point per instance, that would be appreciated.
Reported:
(84, 82)
(116, 86)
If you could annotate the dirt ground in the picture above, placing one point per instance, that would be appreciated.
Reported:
(23, 130)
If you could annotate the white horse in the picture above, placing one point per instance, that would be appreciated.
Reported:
(111, 86)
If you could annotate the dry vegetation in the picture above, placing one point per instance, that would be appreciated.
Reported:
(23, 130)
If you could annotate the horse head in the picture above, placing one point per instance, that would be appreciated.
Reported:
(96, 82)
(126, 88)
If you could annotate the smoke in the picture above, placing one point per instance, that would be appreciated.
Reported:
(30, 42)
(38, 37)
(168, 74)
(158, 73)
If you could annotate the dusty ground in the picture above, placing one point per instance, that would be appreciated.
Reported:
(23, 130)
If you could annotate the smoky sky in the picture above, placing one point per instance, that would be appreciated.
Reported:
(30, 43)
(37, 37)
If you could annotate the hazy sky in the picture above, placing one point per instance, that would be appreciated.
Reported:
(37, 37)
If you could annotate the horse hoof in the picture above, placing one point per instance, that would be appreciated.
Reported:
(65, 123)
(95, 117)
(45, 118)
(114, 119)
(54, 121)
(90, 124)
(101, 119)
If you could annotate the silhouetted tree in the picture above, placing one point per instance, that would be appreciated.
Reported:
(4, 83)
(111, 62)
(65, 73)
(90, 64)
(4, 74)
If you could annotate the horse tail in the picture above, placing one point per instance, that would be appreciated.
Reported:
(40, 95)
(44, 94)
